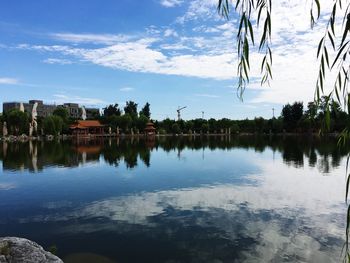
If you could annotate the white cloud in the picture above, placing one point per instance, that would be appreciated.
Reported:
(139, 56)
(294, 54)
(107, 39)
(294, 46)
(171, 3)
(174, 47)
(62, 98)
(126, 89)
(7, 186)
(170, 33)
(207, 95)
(57, 61)
(200, 9)
(209, 51)
(9, 81)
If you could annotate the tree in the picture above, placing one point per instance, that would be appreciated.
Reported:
(64, 115)
(61, 112)
(213, 125)
(125, 122)
(292, 114)
(311, 111)
(189, 126)
(1, 123)
(141, 122)
(131, 109)
(53, 125)
(146, 111)
(259, 124)
(297, 111)
(114, 121)
(205, 128)
(112, 110)
(167, 125)
(175, 128)
(17, 121)
(234, 128)
(335, 109)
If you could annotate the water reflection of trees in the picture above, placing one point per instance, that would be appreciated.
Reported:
(295, 151)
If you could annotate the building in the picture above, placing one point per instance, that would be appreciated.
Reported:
(43, 110)
(6, 106)
(84, 128)
(150, 129)
(73, 109)
(75, 112)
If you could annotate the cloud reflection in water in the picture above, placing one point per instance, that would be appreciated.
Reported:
(294, 215)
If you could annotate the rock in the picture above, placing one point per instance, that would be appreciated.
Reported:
(16, 250)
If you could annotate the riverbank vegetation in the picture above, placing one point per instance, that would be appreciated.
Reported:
(294, 118)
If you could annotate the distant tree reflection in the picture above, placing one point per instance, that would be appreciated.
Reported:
(36, 156)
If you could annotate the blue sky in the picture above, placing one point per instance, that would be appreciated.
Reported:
(169, 53)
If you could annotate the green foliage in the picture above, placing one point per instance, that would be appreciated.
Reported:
(114, 118)
(111, 110)
(311, 111)
(245, 37)
(17, 122)
(53, 125)
(146, 111)
(61, 112)
(141, 122)
(189, 126)
(175, 128)
(292, 114)
(113, 121)
(162, 131)
(64, 115)
(131, 109)
(234, 128)
(205, 128)
(260, 124)
(125, 122)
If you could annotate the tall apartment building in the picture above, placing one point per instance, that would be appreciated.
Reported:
(44, 110)
(73, 110)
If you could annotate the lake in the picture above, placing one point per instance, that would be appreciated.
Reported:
(210, 199)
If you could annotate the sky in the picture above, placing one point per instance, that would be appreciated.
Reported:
(169, 53)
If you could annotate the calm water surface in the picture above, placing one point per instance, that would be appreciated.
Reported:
(217, 199)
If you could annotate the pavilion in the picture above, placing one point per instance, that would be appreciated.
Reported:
(84, 128)
(150, 129)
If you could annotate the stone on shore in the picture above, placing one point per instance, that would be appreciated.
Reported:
(16, 250)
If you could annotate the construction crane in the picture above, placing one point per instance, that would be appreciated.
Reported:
(179, 112)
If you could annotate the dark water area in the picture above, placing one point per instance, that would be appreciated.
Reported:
(209, 199)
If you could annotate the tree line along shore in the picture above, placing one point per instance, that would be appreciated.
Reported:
(294, 118)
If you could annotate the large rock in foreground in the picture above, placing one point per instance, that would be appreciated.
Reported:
(16, 250)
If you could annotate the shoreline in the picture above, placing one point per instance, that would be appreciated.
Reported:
(25, 138)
